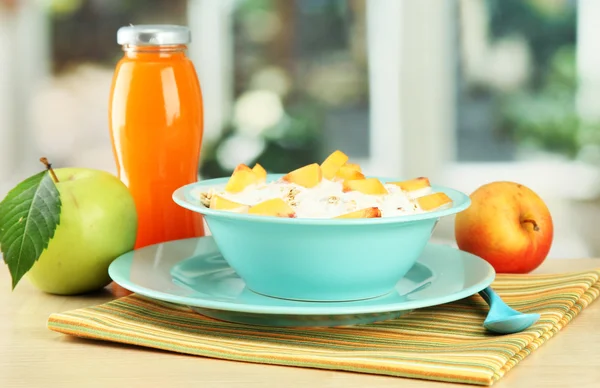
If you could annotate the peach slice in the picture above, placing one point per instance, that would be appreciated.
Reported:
(413, 184)
(273, 207)
(242, 167)
(260, 172)
(220, 203)
(370, 212)
(348, 173)
(307, 176)
(369, 186)
(240, 179)
(354, 166)
(435, 201)
(333, 163)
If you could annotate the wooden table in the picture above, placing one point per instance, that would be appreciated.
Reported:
(33, 356)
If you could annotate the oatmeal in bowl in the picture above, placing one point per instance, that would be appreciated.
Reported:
(314, 191)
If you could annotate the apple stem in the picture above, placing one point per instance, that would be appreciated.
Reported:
(48, 165)
(536, 228)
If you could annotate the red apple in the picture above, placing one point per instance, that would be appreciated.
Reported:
(507, 225)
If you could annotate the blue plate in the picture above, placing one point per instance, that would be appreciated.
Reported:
(193, 273)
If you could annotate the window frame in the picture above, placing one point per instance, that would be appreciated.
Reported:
(426, 102)
(403, 82)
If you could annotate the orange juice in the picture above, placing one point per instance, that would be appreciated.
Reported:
(156, 127)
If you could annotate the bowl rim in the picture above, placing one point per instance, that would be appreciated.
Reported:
(183, 197)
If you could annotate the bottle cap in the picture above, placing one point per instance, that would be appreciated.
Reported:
(153, 35)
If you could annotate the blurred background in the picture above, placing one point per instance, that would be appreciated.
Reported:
(462, 91)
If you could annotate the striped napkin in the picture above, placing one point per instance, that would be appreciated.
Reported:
(443, 343)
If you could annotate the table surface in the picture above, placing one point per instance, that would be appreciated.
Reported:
(33, 356)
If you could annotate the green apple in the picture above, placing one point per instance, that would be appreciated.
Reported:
(98, 222)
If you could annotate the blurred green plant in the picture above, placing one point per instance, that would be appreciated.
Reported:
(291, 143)
(546, 117)
(546, 25)
(295, 140)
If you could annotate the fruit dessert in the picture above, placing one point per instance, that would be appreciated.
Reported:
(334, 189)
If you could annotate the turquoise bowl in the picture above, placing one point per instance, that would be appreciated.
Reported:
(310, 259)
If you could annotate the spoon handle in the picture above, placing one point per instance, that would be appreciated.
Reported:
(488, 295)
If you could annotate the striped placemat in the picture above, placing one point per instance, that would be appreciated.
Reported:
(444, 343)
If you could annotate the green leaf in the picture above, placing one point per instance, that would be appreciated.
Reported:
(29, 215)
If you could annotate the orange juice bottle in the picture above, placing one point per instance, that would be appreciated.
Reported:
(156, 127)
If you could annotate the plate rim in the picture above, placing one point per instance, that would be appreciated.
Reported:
(316, 308)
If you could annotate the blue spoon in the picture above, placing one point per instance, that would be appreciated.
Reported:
(503, 319)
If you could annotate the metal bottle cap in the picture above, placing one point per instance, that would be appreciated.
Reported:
(153, 35)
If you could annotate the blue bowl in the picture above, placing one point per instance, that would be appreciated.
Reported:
(318, 259)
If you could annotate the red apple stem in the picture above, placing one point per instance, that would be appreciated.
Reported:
(536, 228)
(48, 165)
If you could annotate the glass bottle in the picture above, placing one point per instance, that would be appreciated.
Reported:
(156, 128)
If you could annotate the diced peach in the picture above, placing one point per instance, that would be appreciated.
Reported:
(242, 167)
(413, 184)
(333, 163)
(354, 166)
(220, 203)
(240, 179)
(370, 186)
(434, 201)
(370, 212)
(275, 207)
(260, 172)
(348, 173)
(307, 176)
